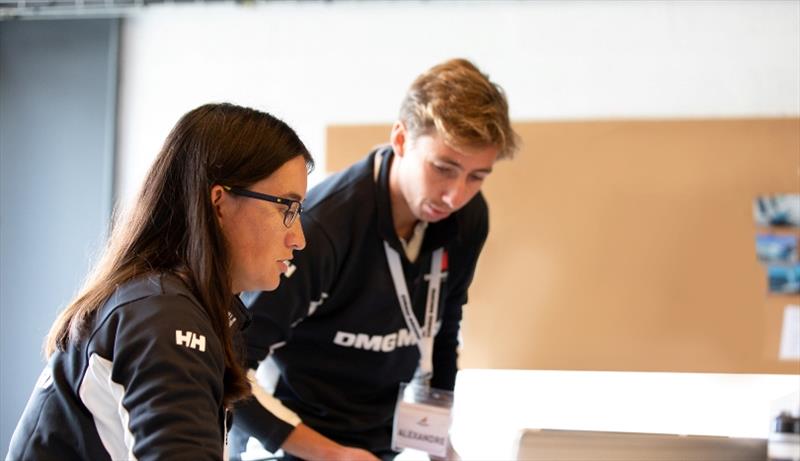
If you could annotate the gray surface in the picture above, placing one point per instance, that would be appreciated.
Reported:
(565, 445)
(57, 106)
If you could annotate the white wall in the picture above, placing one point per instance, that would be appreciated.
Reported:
(315, 64)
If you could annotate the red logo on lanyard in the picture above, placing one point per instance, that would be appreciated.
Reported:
(444, 260)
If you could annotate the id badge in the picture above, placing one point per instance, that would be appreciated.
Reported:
(422, 419)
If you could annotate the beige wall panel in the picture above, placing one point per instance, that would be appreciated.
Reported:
(624, 245)
(348, 144)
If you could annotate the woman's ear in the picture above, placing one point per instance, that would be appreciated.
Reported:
(217, 200)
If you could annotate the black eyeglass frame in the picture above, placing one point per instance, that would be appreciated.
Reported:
(292, 210)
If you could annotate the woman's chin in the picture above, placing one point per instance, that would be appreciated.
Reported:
(271, 285)
(260, 285)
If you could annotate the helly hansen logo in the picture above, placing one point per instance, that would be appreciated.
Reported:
(190, 339)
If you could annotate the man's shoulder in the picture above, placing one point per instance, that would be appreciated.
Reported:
(478, 205)
(475, 214)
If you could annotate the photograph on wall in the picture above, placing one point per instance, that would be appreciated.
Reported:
(776, 248)
(777, 210)
(790, 333)
(784, 278)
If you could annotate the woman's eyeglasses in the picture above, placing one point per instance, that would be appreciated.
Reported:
(293, 207)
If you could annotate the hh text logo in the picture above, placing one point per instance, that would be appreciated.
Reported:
(190, 339)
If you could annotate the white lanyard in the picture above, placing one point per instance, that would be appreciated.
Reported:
(424, 334)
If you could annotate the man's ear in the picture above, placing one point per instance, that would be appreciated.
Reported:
(398, 138)
(217, 199)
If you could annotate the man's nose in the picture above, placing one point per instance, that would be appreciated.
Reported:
(456, 194)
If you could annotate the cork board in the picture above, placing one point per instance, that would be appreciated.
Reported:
(625, 245)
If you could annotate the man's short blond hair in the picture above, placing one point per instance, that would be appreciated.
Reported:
(460, 103)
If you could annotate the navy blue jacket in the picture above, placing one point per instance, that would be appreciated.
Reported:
(146, 383)
(340, 345)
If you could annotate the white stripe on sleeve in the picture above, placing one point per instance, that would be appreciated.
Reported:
(262, 391)
(103, 398)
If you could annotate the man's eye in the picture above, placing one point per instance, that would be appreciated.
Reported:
(444, 169)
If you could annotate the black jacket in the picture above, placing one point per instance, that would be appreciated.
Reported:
(146, 383)
(340, 343)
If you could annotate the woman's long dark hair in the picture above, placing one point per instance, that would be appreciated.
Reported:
(173, 228)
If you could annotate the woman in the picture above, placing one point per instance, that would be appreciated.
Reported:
(142, 363)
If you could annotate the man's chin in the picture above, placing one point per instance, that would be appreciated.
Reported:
(433, 216)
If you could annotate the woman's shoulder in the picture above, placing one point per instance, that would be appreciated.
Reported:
(150, 285)
(161, 298)
(155, 312)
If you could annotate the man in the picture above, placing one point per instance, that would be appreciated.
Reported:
(338, 342)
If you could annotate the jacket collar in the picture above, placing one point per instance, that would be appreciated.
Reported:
(238, 316)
